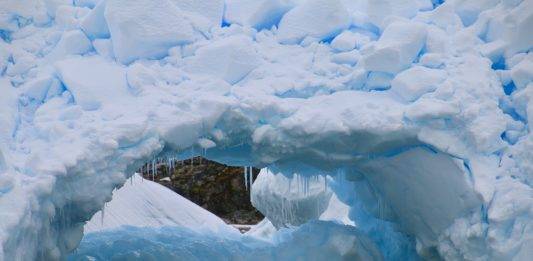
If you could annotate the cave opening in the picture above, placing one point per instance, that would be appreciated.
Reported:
(219, 188)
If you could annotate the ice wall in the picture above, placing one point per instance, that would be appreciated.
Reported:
(91, 90)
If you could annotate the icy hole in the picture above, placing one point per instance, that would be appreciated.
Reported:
(219, 188)
(397, 201)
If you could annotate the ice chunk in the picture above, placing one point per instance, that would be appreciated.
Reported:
(379, 10)
(72, 42)
(522, 73)
(93, 81)
(136, 33)
(321, 19)
(67, 17)
(289, 201)
(351, 57)
(94, 23)
(104, 47)
(38, 88)
(428, 109)
(416, 81)
(345, 41)
(52, 5)
(139, 78)
(256, 13)
(397, 48)
(469, 10)
(378, 81)
(213, 10)
(230, 59)
(86, 3)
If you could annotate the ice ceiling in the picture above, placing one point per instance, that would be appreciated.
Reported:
(423, 106)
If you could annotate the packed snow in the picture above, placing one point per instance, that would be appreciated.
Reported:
(418, 113)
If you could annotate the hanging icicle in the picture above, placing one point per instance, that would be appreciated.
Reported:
(251, 177)
(246, 177)
(154, 169)
(102, 216)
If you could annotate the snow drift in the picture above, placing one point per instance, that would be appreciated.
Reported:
(143, 203)
(422, 106)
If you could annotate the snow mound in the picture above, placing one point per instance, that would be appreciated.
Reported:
(143, 203)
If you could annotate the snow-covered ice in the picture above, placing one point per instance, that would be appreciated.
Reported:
(418, 112)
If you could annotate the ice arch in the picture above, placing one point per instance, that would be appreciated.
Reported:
(74, 121)
(82, 187)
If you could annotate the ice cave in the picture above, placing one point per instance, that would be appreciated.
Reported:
(383, 129)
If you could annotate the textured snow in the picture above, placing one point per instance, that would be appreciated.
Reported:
(213, 10)
(260, 14)
(432, 104)
(319, 19)
(138, 34)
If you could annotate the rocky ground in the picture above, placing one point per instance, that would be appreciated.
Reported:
(216, 187)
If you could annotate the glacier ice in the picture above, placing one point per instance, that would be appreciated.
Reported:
(431, 105)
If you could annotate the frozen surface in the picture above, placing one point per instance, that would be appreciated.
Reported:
(90, 90)
(143, 203)
(313, 241)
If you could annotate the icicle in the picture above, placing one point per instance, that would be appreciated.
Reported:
(168, 166)
(192, 156)
(154, 169)
(246, 177)
(102, 216)
(171, 167)
(251, 179)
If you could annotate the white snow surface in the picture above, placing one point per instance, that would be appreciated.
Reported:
(144, 203)
(432, 104)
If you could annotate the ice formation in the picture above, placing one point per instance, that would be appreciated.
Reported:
(423, 107)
